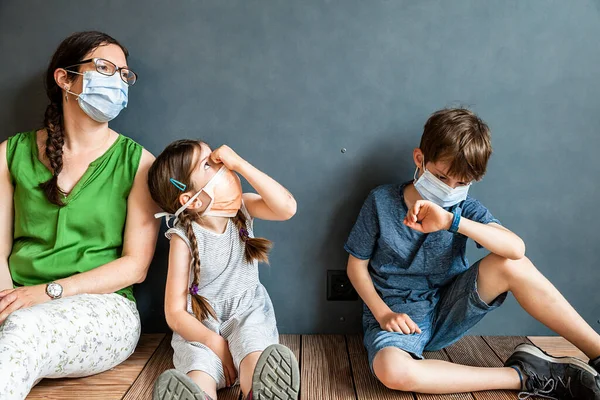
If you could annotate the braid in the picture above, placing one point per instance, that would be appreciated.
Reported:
(254, 248)
(200, 306)
(53, 121)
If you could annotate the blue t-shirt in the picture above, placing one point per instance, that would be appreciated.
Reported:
(408, 267)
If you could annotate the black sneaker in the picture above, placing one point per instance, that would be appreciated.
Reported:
(595, 363)
(550, 377)
(175, 385)
(276, 375)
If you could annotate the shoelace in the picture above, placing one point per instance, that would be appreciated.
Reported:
(545, 387)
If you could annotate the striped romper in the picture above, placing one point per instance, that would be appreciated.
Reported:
(246, 318)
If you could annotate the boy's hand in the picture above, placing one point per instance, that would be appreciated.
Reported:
(425, 216)
(227, 156)
(219, 345)
(401, 323)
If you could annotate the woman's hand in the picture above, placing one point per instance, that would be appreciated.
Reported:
(221, 348)
(12, 300)
(228, 157)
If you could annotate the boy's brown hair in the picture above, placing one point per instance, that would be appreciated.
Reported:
(457, 136)
(177, 162)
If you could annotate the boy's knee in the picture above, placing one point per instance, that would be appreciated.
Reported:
(393, 369)
(507, 269)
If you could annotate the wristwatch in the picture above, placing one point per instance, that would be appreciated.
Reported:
(455, 219)
(54, 290)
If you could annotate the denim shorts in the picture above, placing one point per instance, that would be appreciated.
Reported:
(457, 310)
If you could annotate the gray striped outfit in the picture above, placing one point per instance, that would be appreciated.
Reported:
(246, 318)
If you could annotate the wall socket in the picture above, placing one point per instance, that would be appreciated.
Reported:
(339, 287)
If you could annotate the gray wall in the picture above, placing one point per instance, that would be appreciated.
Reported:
(289, 83)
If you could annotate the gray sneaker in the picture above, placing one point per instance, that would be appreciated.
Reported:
(595, 363)
(276, 376)
(175, 385)
(549, 377)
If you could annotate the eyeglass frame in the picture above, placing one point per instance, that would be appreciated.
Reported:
(117, 69)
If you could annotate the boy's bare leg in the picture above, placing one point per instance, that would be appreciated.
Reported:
(538, 297)
(397, 370)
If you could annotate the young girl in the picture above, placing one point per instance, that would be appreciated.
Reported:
(221, 315)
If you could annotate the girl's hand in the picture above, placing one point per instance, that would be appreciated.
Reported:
(401, 323)
(227, 156)
(12, 300)
(221, 348)
(425, 216)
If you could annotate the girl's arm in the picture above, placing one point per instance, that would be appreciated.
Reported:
(184, 323)
(6, 220)
(141, 230)
(273, 201)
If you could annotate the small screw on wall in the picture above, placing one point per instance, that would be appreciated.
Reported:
(343, 149)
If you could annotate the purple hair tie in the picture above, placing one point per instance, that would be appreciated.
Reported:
(244, 235)
(194, 289)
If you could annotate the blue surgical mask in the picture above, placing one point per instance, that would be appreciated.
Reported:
(432, 189)
(102, 97)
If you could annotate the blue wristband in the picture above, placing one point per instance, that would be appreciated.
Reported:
(456, 220)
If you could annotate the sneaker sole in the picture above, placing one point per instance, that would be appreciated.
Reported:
(276, 376)
(537, 352)
(175, 385)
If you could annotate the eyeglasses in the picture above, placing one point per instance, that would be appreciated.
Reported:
(108, 68)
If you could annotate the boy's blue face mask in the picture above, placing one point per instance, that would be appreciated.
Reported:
(102, 97)
(432, 189)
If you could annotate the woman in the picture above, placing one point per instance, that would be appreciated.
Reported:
(76, 225)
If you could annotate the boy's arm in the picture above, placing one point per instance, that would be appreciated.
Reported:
(425, 216)
(358, 273)
(493, 237)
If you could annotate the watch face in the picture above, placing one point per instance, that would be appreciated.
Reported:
(54, 290)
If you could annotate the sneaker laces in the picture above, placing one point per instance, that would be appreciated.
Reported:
(546, 386)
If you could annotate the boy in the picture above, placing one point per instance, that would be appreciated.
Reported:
(407, 262)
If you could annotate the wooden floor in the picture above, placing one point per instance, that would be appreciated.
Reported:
(333, 367)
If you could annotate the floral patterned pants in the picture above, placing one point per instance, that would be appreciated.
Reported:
(71, 337)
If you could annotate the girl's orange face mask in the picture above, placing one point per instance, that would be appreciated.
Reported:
(225, 192)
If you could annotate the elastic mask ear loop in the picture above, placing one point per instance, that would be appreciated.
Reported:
(415, 178)
(67, 90)
(169, 216)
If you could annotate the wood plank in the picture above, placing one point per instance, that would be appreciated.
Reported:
(366, 384)
(475, 352)
(293, 343)
(71, 392)
(325, 369)
(504, 346)
(232, 393)
(123, 374)
(161, 361)
(558, 347)
(442, 356)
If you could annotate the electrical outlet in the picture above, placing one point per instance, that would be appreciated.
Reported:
(339, 287)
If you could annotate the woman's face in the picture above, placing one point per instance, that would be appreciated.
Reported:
(110, 52)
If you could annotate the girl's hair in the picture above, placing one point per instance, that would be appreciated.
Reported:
(177, 162)
(69, 52)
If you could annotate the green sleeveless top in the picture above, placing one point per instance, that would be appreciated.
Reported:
(52, 242)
